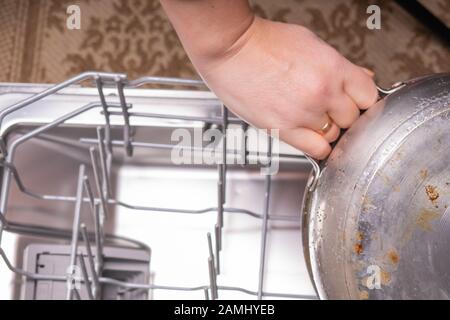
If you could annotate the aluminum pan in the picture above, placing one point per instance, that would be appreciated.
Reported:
(371, 206)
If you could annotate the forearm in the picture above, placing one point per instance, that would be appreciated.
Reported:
(208, 28)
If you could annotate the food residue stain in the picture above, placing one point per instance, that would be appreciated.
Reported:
(393, 256)
(424, 173)
(359, 236)
(367, 204)
(385, 277)
(425, 219)
(365, 200)
(432, 192)
(358, 248)
(386, 179)
(363, 295)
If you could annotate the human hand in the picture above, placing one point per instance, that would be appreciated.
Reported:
(282, 76)
(273, 75)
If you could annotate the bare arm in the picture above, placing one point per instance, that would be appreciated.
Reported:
(208, 28)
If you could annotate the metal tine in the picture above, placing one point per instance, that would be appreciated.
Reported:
(218, 238)
(103, 201)
(87, 187)
(246, 152)
(212, 278)
(3, 221)
(210, 248)
(84, 233)
(77, 294)
(264, 224)
(76, 227)
(220, 194)
(205, 290)
(218, 227)
(3, 149)
(97, 225)
(224, 150)
(212, 270)
(85, 277)
(3, 224)
(103, 163)
(106, 113)
(221, 188)
(98, 239)
(126, 119)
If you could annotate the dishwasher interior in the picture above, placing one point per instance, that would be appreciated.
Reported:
(93, 205)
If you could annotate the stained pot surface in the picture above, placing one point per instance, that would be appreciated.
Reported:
(379, 219)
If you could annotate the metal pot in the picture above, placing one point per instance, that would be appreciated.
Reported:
(377, 213)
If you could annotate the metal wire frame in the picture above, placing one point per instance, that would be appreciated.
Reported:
(112, 201)
(99, 205)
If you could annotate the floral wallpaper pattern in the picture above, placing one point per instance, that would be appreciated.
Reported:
(135, 36)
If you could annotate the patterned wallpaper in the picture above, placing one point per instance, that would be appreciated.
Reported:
(134, 36)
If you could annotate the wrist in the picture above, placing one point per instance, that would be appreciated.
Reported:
(216, 45)
(214, 51)
(209, 28)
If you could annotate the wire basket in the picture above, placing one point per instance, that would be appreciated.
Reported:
(112, 137)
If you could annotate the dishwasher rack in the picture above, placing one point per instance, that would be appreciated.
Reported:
(98, 196)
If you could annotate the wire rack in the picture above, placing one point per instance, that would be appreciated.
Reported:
(98, 196)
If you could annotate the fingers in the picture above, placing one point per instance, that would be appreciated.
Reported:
(323, 125)
(308, 141)
(314, 121)
(359, 85)
(343, 110)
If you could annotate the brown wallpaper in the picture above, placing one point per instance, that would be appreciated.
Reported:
(134, 36)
